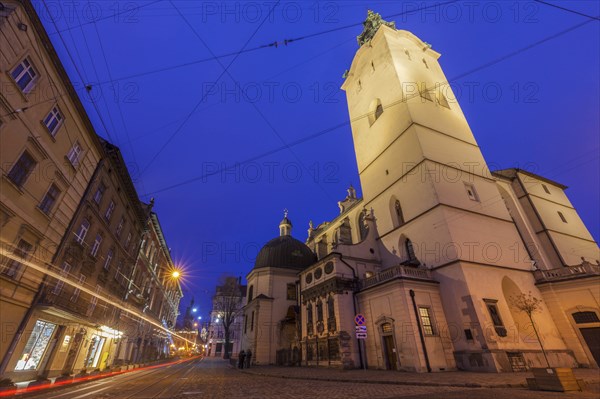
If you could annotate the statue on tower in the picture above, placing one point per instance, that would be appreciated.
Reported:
(371, 26)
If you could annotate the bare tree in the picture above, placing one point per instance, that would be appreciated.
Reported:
(227, 303)
(529, 304)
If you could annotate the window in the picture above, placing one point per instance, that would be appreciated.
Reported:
(319, 311)
(410, 250)
(426, 323)
(77, 291)
(36, 346)
(109, 210)
(94, 300)
(119, 276)
(49, 199)
(245, 323)
(99, 193)
(252, 322)
(53, 121)
(424, 93)
(250, 293)
(386, 328)
(363, 229)
(120, 226)
(96, 246)
(425, 63)
(109, 256)
(545, 189)
(291, 292)
(13, 266)
(399, 216)
(407, 54)
(128, 241)
(492, 307)
(24, 75)
(82, 232)
(21, 169)
(442, 100)
(66, 268)
(562, 217)
(471, 193)
(74, 154)
(586, 317)
(375, 111)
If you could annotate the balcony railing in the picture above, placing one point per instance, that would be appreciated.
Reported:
(63, 302)
(586, 269)
(399, 271)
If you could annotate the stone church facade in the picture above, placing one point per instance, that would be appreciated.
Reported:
(437, 251)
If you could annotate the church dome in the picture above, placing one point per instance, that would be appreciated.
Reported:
(285, 252)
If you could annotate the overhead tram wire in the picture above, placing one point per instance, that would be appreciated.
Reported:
(127, 135)
(262, 115)
(189, 115)
(346, 123)
(567, 10)
(275, 44)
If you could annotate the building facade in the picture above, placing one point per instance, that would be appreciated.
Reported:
(438, 252)
(85, 272)
(226, 317)
(49, 152)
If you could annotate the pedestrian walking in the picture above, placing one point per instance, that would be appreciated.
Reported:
(241, 358)
(248, 358)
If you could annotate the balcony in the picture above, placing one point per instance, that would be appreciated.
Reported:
(64, 303)
(399, 271)
(585, 269)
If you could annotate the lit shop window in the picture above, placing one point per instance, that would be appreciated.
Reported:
(36, 346)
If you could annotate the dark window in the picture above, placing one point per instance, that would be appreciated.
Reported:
(49, 199)
(398, 213)
(545, 189)
(250, 293)
(245, 323)
(21, 169)
(426, 322)
(13, 266)
(309, 313)
(586, 317)
(562, 217)
(410, 250)
(99, 193)
(319, 311)
(496, 319)
(252, 322)
(362, 226)
(291, 292)
(378, 111)
(469, 334)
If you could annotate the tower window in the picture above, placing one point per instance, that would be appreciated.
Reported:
(562, 217)
(407, 54)
(424, 93)
(545, 189)
(250, 293)
(492, 307)
(399, 217)
(442, 100)
(291, 292)
(471, 193)
(425, 63)
(375, 111)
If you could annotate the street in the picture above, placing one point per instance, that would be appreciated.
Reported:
(214, 378)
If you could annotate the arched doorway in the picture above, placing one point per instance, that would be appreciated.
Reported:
(388, 345)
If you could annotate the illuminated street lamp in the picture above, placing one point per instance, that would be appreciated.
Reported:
(175, 274)
(194, 310)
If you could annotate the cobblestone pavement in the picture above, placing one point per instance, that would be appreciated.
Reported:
(450, 378)
(215, 378)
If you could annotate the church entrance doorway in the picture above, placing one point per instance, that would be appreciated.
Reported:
(389, 347)
(592, 339)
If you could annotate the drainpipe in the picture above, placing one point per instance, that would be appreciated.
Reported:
(412, 297)
(362, 359)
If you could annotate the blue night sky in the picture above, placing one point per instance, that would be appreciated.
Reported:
(536, 109)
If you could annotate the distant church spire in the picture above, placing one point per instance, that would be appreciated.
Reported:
(285, 226)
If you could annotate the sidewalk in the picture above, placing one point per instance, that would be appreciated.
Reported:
(448, 378)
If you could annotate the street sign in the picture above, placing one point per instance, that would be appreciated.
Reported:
(359, 319)
(360, 335)
(359, 329)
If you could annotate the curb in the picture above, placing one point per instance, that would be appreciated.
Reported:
(387, 382)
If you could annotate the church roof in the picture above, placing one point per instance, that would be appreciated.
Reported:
(285, 252)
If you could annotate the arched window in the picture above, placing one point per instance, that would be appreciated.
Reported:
(250, 292)
(362, 226)
(410, 250)
(397, 215)
(330, 309)
(319, 311)
(375, 111)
